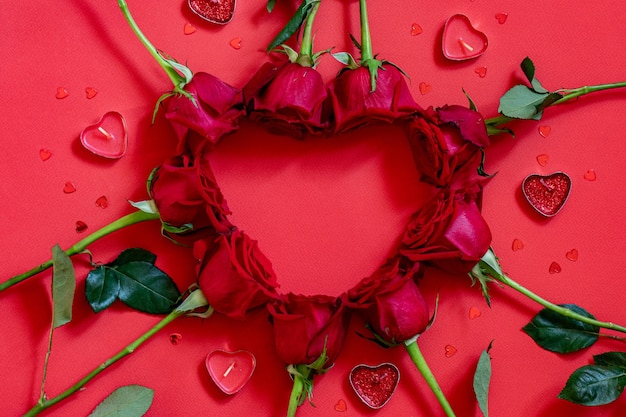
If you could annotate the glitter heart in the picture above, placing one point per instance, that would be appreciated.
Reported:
(90, 92)
(235, 43)
(81, 226)
(481, 71)
(461, 41)
(375, 385)
(554, 268)
(425, 88)
(230, 370)
(416, 29)
(544, 131)
(45, 154)
(517, 245)
(450, 351)
(215, 11)
(501, 17)
(547, 193)
(108, 137)
(69, 188)
(474, 313)
(341, 406)
(189, 29)
(572, 255)
(61, 93)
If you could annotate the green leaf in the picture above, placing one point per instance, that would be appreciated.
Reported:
(617, 359)
(128, 401)
(146, 288)
(472, 105)
(482, 378)
(293, 25)
(133, 255)
(270, 5)
(560, 334)
(594, 385)
(529, 71)
(521, 102)
(63, 287)
(102, 287)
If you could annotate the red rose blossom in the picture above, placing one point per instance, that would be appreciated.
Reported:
(214, 114)
(356, 105)
(449, 232)
(233, 274)
(391, 302)
(288, 98)
(305, 325)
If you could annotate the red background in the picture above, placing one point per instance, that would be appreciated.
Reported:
(326, 212)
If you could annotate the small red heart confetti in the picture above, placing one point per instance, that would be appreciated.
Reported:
(416, 29)
(102, 202)
(547, 193)
(461, 40)
(544, 131)
(61, 93)
(175, 338)
(590, 175)
(501, 17)
(69, 188)
(215, 11)
(189, 29)
(542, 159)
(80, 226)
(517, 245)
(374, 385)
(572, 255)
(108, 137)
(45, 154)
(235, 43)
(341, 406)
(425, 88)
(474, 313)
(230, 370)
(450, 351)
(90, 92)
(554, 268)
(481, 71)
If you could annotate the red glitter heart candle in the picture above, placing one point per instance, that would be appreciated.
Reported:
(375, 385)
(230, 370)
(215, 11)
(461, 41)
(547, 193)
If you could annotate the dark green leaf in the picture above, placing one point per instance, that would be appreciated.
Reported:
(521, 102)
(529, 71)
(293, 25)
(617, 359)
(560, 334)
(270, 5)
(482, 378)
(63, 287)
(146, 288)
(102, 287)
(133, 255)
(594, 385)
(128, 401)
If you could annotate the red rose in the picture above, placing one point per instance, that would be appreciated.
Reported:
(355, 105)
(304, 325)
(448, 232)
(446, 145)
(289, 98)
(188, 199)
(234, 275)
(215, 112)
(391, 302)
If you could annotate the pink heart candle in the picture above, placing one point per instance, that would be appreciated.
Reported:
(461, 41)
(108, 137)
(230, 370)
(547, 193)
(375, 385)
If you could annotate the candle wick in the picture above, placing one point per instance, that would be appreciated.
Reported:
(230, 368)
(545, 184)
(466, 45)
(105, 133)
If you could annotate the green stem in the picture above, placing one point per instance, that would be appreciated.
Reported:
(78, 247)
(305, 56)
(556, 308)
(299, 384)
(195, 300)
(422, 366)
(366, 39)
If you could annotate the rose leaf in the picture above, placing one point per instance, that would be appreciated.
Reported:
(594, 385)
(63, 287)
(127, 401)
(482, 378)
(146, 288)
(102, 287)
(522, 102)
(617, 359)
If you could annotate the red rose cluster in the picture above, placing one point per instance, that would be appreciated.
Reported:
(448, 232)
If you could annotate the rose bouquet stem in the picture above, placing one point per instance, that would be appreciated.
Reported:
(420, 363)
(195, 300)
(80, 246)
(300, 377)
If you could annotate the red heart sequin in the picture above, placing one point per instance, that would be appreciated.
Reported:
(375, 385)
(45, 154)
(547, 193)
(461, 41)
(425, 88)
(450, 351)
(214, 11)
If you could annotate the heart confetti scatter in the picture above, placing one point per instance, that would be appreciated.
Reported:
(590, 175)
(542, 159)
(501, 17)
(554, 268)
(461, 41)
(517, 245)
(61, 93)
(425, 88)
(69, 188)
(416, 29)
(230, 370)
(474, 313)
(81, 226)
(102, 202)
(341, 406)
(235, 43)
(90, 92)
(572, 255)
(547, 193)
(215, 11)
(450, 351)
(481, 71)
(375, 385)
(45, 154)
(188, 29)
(108, 137)
(544, 131)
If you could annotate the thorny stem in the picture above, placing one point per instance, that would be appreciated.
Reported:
(305, 57)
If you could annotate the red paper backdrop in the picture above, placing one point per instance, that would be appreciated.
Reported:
(326, 212)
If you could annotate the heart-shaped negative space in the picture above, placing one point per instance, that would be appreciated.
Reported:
(215, 11)
(547, 193)
(108, 137)
(461, 41)
(230, 370)
(375, 385)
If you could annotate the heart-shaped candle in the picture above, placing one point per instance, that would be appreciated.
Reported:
(108, 137)
(547, 193)
(375, 384)
(461, 40)
(214, 11)
(230, 370)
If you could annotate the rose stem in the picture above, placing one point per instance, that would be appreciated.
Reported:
(195, 300)
(556, 308)
(135, 217)
(305, 56)
(366, 39)
(302, 373)
(569, 95)
(420, 363)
